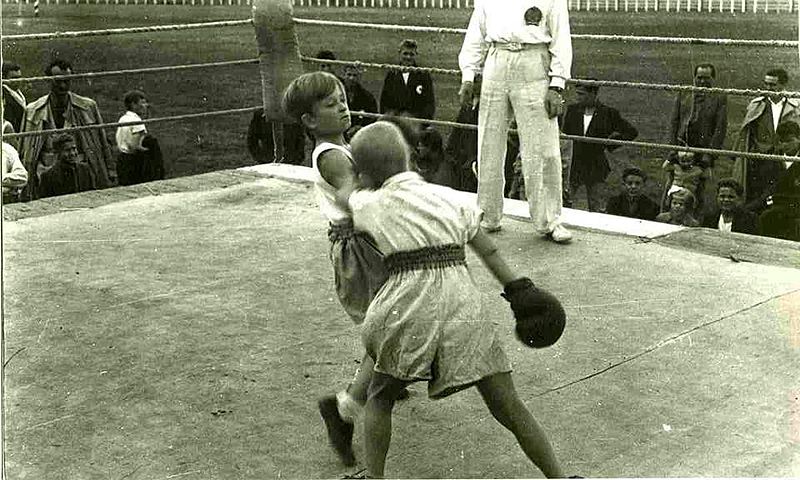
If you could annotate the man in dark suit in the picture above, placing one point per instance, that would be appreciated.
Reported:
(729, 216)
(14, 101)
(633, 202)
(589, 117)
(700, 119)
(408, 92)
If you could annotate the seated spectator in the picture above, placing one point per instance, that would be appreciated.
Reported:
(261, 145)
(139, 157)
(431, 162)
(589, 117)
(69, 174)
(462, 144)
(681, 204)
(729, 216)
(684, 173)
(359, 99)
(408, 91)
(782, 218)
(15, 177)
(633, 202)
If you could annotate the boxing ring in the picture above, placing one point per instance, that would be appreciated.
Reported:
(187, 335)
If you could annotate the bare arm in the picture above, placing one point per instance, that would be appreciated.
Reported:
(485, 247)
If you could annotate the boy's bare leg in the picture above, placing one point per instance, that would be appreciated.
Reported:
(358, 389)
(501, 397)
(383, 393)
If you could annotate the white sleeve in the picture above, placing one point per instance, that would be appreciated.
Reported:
(14, 173)
(560, 45)
(473, 50)
(366, 209)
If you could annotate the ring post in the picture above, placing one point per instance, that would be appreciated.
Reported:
(279, 60)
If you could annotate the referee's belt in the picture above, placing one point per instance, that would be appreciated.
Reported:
(514, 46)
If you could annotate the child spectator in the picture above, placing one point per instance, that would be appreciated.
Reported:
(69, 173)
(729, 215)
(425, 324)
(633, 202)
(317, 100)
(15, 177)
(684, 173)
(681, 205)
(431, 162)
(139, 158)
(358, 99)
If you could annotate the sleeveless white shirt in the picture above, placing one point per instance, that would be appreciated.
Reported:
(326, 194)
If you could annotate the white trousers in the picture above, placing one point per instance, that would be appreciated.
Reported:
(514, 86)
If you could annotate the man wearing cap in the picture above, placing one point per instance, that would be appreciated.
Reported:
(523, 50)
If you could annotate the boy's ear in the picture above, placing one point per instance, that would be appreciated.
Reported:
(309, 121)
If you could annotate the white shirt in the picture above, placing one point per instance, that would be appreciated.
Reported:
(587, 120)
(504, 21)
(408, 213)
(14, 173)
(777, 109)
(405, 77)
(129, 139)
(326, 193)
(724, 226)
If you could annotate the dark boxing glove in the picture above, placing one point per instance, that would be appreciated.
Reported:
(540, 317)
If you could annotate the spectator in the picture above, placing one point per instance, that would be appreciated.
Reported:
(15, 177)
(69, 173)
(729, 216)
(14, 102)
(431, 161)
(326, 67)
(359, 99)
(681, 205)
(261, 145)
(758, 134)
(62, 108)
(591, 118)
(140, 157)
(782, 218)
(685, 173)
(462, 144)
(633, 202)
(406, 91)
(700, 119)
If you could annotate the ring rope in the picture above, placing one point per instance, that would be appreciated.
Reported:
(603, 141)
(618, 38)
(576, 81)
(608, 141)
(389, 66)
(398, 28)
(115, 31)
(110, 73)
(100, 126)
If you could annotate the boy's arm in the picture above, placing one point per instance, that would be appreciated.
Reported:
(336, 168)
(485, 247)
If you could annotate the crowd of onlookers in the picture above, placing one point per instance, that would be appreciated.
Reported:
(71, 161)
(761, 197)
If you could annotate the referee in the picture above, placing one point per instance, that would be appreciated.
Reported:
(524, 52)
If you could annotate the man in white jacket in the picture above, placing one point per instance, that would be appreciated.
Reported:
(524, 52)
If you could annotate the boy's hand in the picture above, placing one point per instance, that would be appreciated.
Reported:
(540, 317)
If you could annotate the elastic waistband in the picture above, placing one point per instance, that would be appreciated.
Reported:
(426, 259)
(516, 46)
(340, 230)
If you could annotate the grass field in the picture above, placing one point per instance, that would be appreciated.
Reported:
(217, 143)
